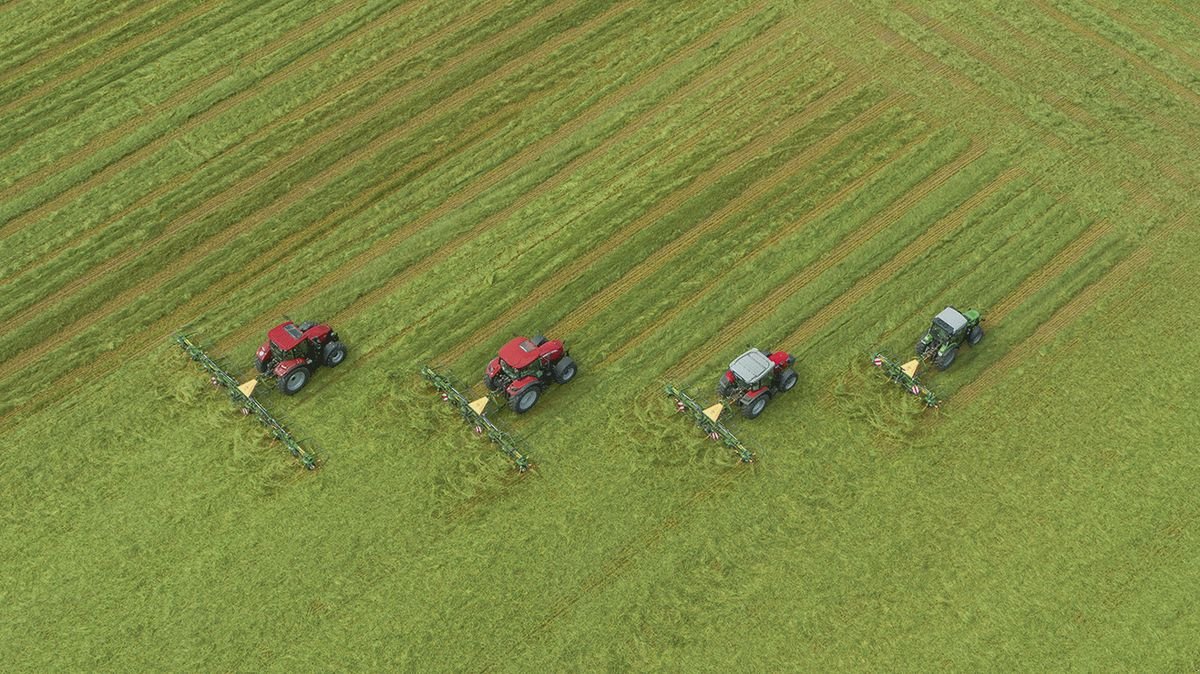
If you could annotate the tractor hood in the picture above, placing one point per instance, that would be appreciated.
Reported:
(519, 353)
(286, 336)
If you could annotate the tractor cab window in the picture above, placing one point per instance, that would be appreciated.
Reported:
(292, 330)
(527, 346)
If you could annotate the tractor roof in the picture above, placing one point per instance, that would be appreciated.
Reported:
(286, 335)
(751, 366)
(519, 352)
(951, 320)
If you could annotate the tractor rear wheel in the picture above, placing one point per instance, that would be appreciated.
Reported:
(564, 370)
(262, 365)
(333, 354)
(293, 381)
(787, 380)
(945, 360)
(756, 406)
(525, 399)
(975, 336)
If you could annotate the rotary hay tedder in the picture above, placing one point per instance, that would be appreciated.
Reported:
(707, 419)
(241, 396)
(474, 412)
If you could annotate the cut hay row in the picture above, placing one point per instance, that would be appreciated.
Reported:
(165, 326)
(55, 157)
(192, 253)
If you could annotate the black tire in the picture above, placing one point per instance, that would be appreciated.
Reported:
(564, 370)
(920, 347)
(538, 340)
(333, 354)
(488, 382)
(756, 406)
(724, 387)
(975, 336)
(945, 360)
(294, 380)
(525, 399)
(262, 365)
(787, 380)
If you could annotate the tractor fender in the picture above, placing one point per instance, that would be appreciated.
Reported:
(288, 365)
(781, 359)
(520, 384)
(493, 367)
(264, 352)
(751, 396)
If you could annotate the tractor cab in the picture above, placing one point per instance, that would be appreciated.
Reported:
(750, 368)
(948, 324)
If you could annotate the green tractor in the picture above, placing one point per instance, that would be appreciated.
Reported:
(949, 330)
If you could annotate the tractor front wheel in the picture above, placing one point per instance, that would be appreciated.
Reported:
(787, 380)
(293, 381)
(524, 400)
(756, 406)
(564, 370)
(333, 354)
(975, 336)
(945, 360)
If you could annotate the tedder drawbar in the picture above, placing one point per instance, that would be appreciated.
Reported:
(947, 333)
(241, 394)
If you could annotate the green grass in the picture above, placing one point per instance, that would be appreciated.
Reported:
(439, 176)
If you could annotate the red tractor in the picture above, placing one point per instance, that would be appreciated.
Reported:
(292, 352)
(525, 367)
(753, 377)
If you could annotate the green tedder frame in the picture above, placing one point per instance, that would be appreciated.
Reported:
(894, 370)
(685, 404)
(221, 377)
(451, 393)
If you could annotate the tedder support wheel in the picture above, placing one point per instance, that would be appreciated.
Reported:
(945, 360)
(975, 336)
(333, 354)
(787, 380)
(293, 381)
(524, 400)
(564, 370)
(756, 406)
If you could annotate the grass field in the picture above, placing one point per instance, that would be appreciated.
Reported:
(662, 185)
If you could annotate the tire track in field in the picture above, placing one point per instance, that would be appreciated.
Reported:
(672, 201)
(164, 275)
(218, 107)
(616, 565)
(74, 42)
(496, 175)
(176, 100)
(851, 242)
(1069, 313)
(590, 307)
(1123, 20)
(611, 189)
(1085, 33)
(292, 196)
(109, 56)
(936, 67)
